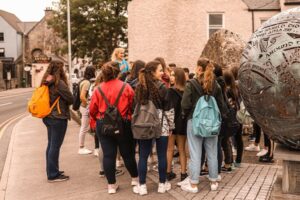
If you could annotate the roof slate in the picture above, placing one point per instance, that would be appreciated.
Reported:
(11, 19)
(262, 4)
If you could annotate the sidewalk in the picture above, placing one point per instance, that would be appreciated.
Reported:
(16, 91)
(24, 176)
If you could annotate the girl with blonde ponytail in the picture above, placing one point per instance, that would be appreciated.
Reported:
(206, 83)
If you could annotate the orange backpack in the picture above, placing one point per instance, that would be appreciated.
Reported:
(39, 104)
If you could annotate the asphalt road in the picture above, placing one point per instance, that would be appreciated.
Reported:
(10, 107)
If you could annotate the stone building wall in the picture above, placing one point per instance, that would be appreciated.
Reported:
(44, 38)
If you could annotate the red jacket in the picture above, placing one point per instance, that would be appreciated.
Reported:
(111, 90)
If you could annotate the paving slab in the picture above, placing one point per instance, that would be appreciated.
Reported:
(25, 174)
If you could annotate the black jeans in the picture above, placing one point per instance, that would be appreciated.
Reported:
(56, 129)
(110, 145)
(239, 144)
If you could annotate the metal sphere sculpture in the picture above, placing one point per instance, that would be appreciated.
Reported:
(269, 77)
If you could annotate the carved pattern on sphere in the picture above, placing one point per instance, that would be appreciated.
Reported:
(270, 77)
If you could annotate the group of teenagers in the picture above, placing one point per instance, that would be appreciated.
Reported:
(175, 94)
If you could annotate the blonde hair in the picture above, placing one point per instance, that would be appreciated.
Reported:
(114, 54)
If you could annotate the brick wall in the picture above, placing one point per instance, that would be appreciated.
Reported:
(178, 30)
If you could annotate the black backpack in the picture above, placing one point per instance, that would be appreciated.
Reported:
(112, 122)
(76, 94)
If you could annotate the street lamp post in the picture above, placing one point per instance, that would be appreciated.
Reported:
(69, 43)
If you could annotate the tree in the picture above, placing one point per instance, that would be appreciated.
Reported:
(97, 26)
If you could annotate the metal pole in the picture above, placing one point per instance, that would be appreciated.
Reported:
(69, 44)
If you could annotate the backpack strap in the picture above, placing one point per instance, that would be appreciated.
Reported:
(104, 97)
(56, 102)
(119, 95)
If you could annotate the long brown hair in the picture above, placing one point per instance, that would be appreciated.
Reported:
(180, 79)
(110, 71)
(230, 82)
(146, 89)
(208, 78)
(55, 69)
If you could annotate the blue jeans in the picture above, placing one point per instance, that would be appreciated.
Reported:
(195, 148)
(56, 129)
(145, 147)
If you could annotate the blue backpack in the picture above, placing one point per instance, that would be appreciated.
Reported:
(206, 117)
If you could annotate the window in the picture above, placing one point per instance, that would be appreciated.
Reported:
(1, 37)
(215, 22)
(2, 52)
(263, 21)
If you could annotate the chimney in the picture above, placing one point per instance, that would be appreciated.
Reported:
(48, 13)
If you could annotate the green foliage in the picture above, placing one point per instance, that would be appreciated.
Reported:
(97, 26)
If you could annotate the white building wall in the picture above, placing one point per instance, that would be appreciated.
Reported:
(178, 30)
(10, 39)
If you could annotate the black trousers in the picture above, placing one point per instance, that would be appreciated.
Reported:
(239, 144)
(110, 145)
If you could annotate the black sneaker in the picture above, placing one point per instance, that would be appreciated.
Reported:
(171, 176)
(183, 176)
(60, 178)
(266, 159)
(61, 172)
(119, 172)
(101, 174)
(226, 169)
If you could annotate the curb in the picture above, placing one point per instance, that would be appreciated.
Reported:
(6, 169)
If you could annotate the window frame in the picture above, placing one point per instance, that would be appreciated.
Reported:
(3, 53)
(2, 36)
(209, 27)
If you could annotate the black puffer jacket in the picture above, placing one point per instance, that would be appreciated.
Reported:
(191, 96)
(66, 99)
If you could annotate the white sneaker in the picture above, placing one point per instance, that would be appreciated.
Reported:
(84, 151)
(262, 153)
(96, 152)
(163, 187)
(214, 186)
(112, 189)
(218, 179)
(140, 189)
(184, 182)
(252, 147)
(189, 188)
(134, 181)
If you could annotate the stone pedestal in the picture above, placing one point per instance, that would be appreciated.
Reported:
(290, 169)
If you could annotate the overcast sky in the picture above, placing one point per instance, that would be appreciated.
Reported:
(26, 10)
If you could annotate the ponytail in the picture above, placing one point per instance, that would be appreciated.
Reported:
(209, 79)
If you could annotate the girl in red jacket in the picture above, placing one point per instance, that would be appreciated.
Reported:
(111, 87)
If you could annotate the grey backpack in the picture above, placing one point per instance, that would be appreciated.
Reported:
(145, 123)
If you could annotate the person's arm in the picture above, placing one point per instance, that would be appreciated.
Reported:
(65, 93)
(169, 108)
(220, 101)
(94, 105)
(186, 102)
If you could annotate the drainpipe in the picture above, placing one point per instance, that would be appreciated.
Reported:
(252, 12)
